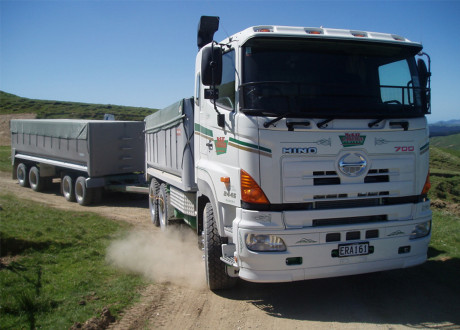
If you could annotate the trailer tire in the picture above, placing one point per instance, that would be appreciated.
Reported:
(216, 271)
(83, 195)
(67, 188)
(163, 207)
(35, 181)
(154, 190)
(22, 175)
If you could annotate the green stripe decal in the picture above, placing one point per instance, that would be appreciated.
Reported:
(204, 130)
(425, 146)
(208, 133)
(250, 145)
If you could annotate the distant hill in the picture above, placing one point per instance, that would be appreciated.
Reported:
(12, 104)
(443, 128)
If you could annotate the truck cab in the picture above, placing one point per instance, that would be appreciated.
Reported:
(311, 152)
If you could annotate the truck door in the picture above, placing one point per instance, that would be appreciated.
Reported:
(216, 155)
(214, 139)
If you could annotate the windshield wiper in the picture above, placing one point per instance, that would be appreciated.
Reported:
(374, 123)
(267, 124)
(324, 122)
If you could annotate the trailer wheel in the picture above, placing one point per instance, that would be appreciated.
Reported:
(163, 207)
(83, 195)
(36, 182)
(22, 175)
(67, 188)
(154, 190)
(216, 270)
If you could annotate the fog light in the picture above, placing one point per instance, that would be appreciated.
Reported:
(404, 249)
(421, 230)
(294, 261)
(264, 243)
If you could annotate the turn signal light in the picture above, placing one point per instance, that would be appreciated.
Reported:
(427, 185)
(250, 190)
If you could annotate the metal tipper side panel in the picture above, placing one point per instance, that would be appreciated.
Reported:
(63, 140)
(117, 147)
(169, 138)
(102, 147)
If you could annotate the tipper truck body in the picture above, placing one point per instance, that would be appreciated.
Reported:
(303, 154)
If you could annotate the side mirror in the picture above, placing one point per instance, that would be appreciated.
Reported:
(423, 72)
(206, 28)
(424, 76)
(211, 66)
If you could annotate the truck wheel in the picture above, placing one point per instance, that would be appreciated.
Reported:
(36, 182)
(154, 190)
(216, 270)
(83, 195)
(23, 175)
(67, 188)
(163, 206)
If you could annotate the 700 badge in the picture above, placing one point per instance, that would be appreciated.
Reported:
(404, 149)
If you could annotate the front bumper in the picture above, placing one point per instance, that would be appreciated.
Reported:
(391, 249)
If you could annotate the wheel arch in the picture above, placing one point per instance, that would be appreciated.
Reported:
(206, 194)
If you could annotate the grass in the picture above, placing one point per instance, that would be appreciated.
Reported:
(444, 175)
(12, 104)
(5, 158)
(446, 235)
(54, 272)
(450, 142)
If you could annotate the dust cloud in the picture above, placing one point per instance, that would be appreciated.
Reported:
(171, 256)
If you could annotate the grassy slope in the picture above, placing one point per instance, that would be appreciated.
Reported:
(10, 104)
(55, 272)
(451, 142)
(445, 175)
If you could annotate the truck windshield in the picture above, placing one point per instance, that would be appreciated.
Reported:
(329, 79)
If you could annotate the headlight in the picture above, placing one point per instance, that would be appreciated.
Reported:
(421, 230)
(264, 243)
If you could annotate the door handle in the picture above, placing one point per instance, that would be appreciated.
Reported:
(210, 145)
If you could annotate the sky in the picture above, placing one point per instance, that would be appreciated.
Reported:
(142, 53)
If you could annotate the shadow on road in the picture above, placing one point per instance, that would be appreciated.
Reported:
(420, 297)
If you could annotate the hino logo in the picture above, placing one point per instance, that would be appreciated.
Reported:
(353, 164)
(309, 150)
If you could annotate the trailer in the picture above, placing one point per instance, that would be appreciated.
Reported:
(87, 155)
(303, 154)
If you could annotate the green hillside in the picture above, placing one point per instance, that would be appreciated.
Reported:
(12, 104)
(445, 172)
(451, 142)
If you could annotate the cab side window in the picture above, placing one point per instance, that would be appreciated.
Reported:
(227, 87)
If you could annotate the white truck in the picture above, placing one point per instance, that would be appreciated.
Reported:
(303, 154)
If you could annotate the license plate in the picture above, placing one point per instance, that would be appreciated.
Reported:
(353, 249)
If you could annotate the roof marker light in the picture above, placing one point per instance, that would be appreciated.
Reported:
(313, 31)
(398, 38)
(263, 29)
(359, 34)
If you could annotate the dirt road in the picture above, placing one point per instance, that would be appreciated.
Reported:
(396, 299)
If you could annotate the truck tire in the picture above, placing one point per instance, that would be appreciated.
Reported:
(216, 270)
(67, 188)
(35, 181)
(154, 190)
(163, 207)
(83, 195)
(22, 175)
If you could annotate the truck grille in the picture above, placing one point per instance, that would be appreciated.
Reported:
(321, 178)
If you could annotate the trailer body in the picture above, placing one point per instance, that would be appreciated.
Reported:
(101, 152)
